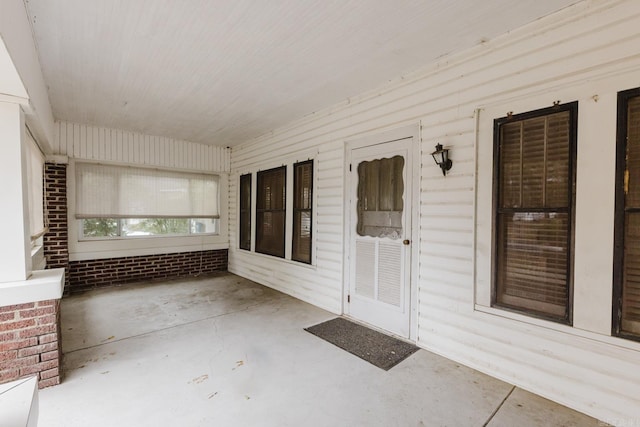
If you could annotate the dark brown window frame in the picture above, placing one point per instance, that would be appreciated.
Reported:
(242, 232)
(572, 108)
(296, 184)
(259, 238)
(619, 233)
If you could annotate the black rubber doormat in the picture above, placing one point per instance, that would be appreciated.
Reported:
(379, 349)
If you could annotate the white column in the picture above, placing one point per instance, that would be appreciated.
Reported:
(15, 242)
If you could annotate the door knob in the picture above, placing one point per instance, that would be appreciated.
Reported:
(406, 241)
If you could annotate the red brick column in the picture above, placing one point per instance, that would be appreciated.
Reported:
(56, 241)
(30, 332)
(30, 342)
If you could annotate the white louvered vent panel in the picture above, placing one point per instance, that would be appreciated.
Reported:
(365, 268)
(390, 273)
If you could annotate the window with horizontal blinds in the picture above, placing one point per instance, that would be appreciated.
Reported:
(105, 191)
(302, 210)
(270, 211)
(245, 212)
(626, 304)
(534, 180)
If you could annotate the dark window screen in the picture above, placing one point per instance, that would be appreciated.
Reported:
(302, 211)
(627, 284)
(270, 211)
(533, 216)
(245, 212)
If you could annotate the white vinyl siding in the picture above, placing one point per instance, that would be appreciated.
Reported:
(587, 53)
(114, 145)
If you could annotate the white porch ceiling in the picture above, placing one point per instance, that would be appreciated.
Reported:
(224, 71)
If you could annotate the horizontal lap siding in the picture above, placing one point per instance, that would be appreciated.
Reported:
(552, 364)
(114, 145)
(322, 284)
(587, 41)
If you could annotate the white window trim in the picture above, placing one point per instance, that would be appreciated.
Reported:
(152, 245)
(287, 161)
(594, 204)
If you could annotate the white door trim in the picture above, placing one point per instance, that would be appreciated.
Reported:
(411, 131)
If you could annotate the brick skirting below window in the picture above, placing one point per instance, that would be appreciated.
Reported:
(97, 273)
(30, 342)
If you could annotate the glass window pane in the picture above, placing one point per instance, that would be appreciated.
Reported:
(632, 178)
(245, 212)
(380, 198)
(629, 322)
(534, 217)
(532, 261)
(100, 227)
(558, 186)
(302, 211)
(271, 191)
(302, 185)
(533, 162)
(270, 211)
(302, 236)
(631, 279)
(510, 165)
(154, 226)
(135, 227)
(204, 225)
(270, 233)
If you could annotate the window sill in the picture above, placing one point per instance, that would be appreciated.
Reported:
(558, 327)
(277, 259)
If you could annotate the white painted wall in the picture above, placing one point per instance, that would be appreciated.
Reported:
(15, 31)
(11, 86)
(89, 143)
(15, 250)
(587, 53)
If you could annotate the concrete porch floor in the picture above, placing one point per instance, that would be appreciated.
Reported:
(226, 351)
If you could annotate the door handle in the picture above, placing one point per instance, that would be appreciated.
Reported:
(406, 241)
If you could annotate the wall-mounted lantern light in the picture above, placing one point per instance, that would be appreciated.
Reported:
(441, 157)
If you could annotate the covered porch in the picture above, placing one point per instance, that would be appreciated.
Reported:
(223, 350)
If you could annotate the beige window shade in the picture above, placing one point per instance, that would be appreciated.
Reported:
(35, 170)
(104, 191)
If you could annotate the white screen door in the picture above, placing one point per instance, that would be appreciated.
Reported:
(379, 237)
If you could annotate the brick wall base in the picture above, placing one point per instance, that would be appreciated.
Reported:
(97, 273)
(30, 342)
